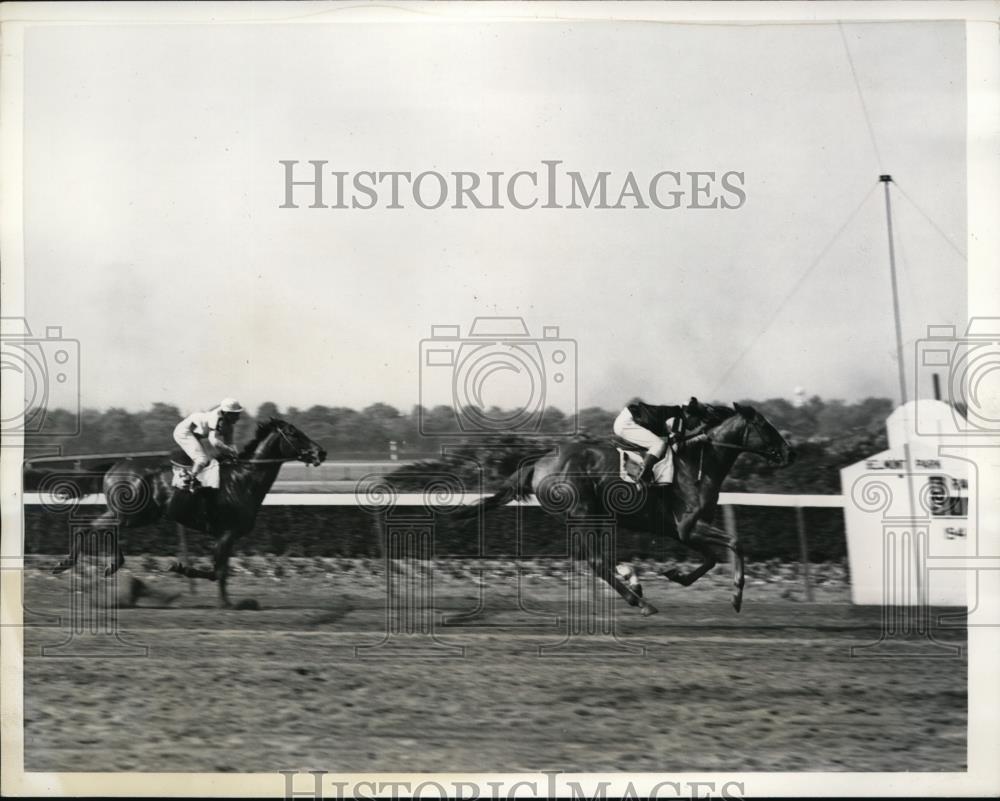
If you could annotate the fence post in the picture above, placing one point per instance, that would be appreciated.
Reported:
(800, 520)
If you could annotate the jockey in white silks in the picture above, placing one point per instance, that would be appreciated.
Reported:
(204, 435)
(652, 427)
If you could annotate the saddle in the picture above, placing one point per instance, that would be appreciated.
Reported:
(624, 445)
(181, 463)
(179, 458)
(630, 458)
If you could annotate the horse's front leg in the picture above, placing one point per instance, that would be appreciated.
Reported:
(711, 539)
(220, 567)
(689, 578)
(739, 577)
(706, 544)
(687, 534)
(192, 572)
(223, 550)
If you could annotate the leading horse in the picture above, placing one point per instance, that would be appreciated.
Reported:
(581, 479)
(138, 495)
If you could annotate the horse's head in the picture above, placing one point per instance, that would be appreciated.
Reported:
(287, 442)
(762, 438)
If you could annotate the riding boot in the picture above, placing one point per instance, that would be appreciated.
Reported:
(191, 482)
(647, 468)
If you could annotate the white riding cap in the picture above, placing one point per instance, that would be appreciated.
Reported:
(230, 405)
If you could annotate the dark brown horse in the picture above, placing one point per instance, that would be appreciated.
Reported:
(581, 479)
(138, 495)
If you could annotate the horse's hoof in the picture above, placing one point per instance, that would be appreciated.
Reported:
(248, 604)
(648, 609)
(175, 567)
(737, 603)
(60, 568)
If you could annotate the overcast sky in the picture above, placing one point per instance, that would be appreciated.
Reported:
(153, 232)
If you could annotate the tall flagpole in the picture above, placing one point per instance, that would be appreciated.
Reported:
(886, 180)
(917, 565)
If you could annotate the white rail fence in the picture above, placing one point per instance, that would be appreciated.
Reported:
(419, 498)
(727, 500)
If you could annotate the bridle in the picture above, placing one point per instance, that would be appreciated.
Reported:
(283, 459)
(701, 436)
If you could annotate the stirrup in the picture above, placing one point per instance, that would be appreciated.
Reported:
(646, 473)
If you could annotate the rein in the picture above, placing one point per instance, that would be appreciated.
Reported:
(705, 437)
(281, 460)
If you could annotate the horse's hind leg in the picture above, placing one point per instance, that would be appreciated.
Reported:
(109, 520)
(114, 566)
(609, 575)
(627, 574)
(220, 567)
(70, 560)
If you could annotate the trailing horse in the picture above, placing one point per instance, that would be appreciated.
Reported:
(139, 495)
(581, 479)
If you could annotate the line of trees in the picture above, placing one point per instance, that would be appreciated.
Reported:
(827, 435)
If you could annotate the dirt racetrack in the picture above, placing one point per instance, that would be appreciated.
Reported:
(772, 689)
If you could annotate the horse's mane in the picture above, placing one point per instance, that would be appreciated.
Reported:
(713, 415)
(263, 430)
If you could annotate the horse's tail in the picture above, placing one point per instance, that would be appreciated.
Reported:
(516, 487)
